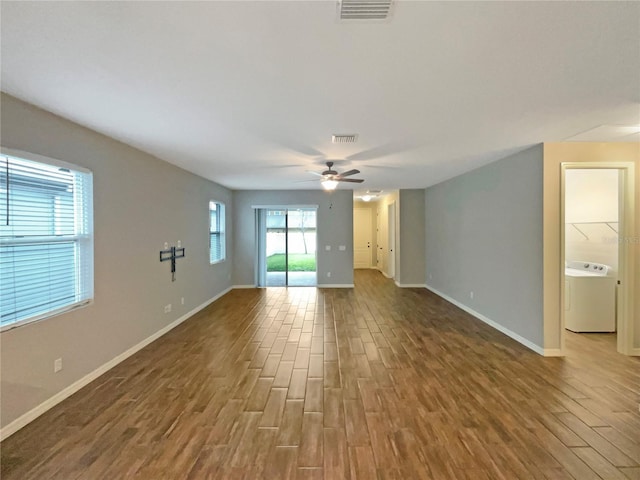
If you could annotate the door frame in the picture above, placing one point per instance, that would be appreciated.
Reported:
(391, 233)
(626, 257)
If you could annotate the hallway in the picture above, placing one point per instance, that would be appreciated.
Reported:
(370, 382)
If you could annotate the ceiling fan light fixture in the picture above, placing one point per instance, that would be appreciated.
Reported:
(366, 198)
(329, 184)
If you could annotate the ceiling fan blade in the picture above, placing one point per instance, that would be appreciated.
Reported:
(350, 172)
(314, 173)
(352, 180)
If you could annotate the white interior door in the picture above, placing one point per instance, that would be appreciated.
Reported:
(362, 238)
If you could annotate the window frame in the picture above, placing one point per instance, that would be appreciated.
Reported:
(84, 240)
(221, 231)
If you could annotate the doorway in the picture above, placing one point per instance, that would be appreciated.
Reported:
(594, 279)
(288, 247)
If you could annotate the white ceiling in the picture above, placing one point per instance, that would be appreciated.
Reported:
(248, 93)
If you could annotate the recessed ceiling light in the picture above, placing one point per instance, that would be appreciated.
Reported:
(370, 195)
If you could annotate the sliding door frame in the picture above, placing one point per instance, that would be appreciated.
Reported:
(261, 240)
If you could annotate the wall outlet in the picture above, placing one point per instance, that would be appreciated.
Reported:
(182, 300)
(342, 248)
(57, 365)
(430, 277)
(167, 308)
(328, 274)
(471, 295)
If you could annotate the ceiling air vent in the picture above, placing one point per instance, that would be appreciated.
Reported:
(344, 138)
(364, 9)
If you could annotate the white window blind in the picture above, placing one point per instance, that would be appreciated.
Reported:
(46, 239)
(216, 232)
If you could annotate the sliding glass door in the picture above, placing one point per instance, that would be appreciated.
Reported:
(288, 244)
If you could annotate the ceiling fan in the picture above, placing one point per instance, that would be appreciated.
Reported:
(331, 178)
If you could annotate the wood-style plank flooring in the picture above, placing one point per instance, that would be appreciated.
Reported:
(372, 382)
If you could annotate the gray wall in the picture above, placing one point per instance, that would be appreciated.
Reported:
(140, 202)
(335, 227)
(412, 235)
(484, 234)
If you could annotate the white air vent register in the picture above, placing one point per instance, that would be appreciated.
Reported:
(364, 9)
(351, 138)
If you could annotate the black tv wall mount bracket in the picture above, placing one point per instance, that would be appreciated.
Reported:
(172, 254)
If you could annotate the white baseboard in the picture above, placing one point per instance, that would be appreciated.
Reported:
(51, 402)
(527, 343)
(335, 285)
(553, 352)
(237, 287)
(383, 272)
(410, 285)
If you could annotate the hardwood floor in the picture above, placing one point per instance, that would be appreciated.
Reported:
(371, 382)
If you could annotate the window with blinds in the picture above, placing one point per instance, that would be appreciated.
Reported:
(216, 232)
(46, 239)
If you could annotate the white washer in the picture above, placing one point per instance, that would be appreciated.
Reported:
(590, 297)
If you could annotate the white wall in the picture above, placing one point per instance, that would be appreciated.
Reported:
(484, 234)
(140, 202)
(334, 228)
(591, 215)
(591, 195)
